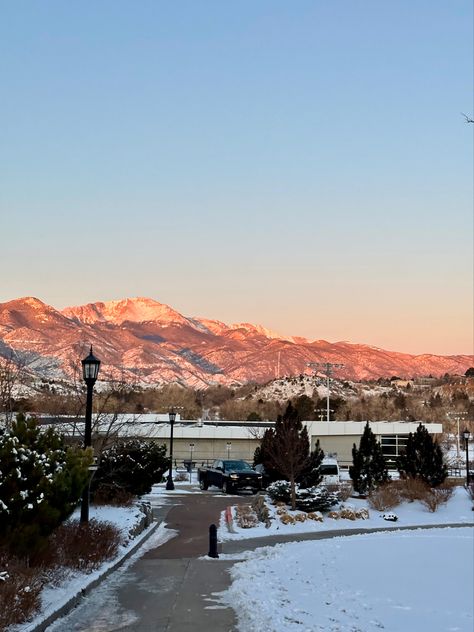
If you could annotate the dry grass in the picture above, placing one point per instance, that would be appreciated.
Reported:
(260, 508)
(437, 496)
(412, 489)
(246, 516)
(384, 497)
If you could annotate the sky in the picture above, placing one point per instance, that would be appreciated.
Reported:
(303, 165)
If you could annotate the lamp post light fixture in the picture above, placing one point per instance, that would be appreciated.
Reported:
(90, 371)
(169, 482)
(466, 434)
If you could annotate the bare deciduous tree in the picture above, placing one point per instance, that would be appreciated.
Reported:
(12, 377)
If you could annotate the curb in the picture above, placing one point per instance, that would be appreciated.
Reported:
(72, 602)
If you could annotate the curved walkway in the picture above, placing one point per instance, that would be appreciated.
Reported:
(171, 588)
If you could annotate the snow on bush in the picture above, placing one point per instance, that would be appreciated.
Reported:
(317, 498)
(41, 481)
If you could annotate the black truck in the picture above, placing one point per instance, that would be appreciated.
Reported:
(230, 476)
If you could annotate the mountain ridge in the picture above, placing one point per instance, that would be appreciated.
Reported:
(147, 341)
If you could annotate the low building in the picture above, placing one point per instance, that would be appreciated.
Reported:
(204, 441)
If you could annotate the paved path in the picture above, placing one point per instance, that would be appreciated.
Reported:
(170, 588)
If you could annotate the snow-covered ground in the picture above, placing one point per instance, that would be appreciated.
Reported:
(457, 510)
(399, 581)
(349, 571)
(72, 582)
(408, 581)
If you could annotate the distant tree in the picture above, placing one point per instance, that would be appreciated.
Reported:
(287, 448)
(400, 401)
(304, 407)
(12, 376)
(470, 372)
(423, 458)
(368, 467)
(253, 416)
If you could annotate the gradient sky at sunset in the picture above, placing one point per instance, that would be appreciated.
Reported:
(303, 165)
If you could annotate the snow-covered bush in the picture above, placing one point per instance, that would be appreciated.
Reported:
(129, 467)
(279, 491)
(41, 482)
(315, 499)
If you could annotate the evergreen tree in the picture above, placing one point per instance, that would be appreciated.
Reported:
(304, 406)
(286, 448)
(423, 458)
(311, 475)
(131, 466)
(41, 482)
(368, 467)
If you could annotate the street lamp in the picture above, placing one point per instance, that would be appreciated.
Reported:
(191, 449)
(90, 371)
(466, 434)
(169, 482)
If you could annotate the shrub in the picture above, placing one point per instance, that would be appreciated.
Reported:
(246, 517)
(279, 491)
(20, 589)
(345, 490)
(437, 496)
(260, 508)
(384, 497)
(131, 466)
(83, 546)
(431, 500)
(315, 499)
(41, 483)
(411, 489)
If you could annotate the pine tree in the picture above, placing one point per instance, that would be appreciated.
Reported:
(311, 475)
(286, 448)
(423, 458)
(40, 484)
(131, 466)
(368, 467)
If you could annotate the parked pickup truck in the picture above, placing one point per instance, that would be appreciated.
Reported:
(230, 476)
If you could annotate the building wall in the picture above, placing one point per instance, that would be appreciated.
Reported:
(206, 450)
(341, 446)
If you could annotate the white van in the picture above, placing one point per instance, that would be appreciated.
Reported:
(329, 469)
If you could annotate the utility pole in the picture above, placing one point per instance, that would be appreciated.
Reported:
(457, 416)
(328, 371)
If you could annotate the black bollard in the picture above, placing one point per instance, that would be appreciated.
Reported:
(213, 541)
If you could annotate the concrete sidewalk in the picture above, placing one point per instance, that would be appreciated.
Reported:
(172, 588)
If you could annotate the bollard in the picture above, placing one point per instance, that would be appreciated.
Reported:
(213, 541)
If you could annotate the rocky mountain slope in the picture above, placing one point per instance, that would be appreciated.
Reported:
(142, 340)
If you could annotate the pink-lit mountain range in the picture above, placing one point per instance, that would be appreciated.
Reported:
(143, 340)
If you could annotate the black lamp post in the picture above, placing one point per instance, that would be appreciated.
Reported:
(169, 482)
(90, 371)
(466, 434)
